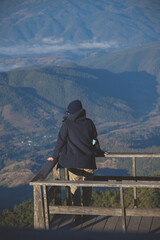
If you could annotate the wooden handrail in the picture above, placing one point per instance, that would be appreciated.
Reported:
(49, 165)
(42, 199)
(125, 184)
(131, 155)
(45, 170)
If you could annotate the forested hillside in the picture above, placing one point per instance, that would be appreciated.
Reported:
(22, 215)
(140, 58)
(124, 107)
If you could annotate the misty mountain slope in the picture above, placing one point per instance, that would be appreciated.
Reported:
(105, 94)
(62, 85)
(22, 110)
(125, 22)
(144, 58)
(46, 32)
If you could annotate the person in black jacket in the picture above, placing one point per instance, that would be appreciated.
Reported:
(76, 148)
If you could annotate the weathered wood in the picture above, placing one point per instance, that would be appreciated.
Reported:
(50, 164)
(134, 223)
(42, 210)
(68, 194)
(39, 221)
(57, 189)
(145, 212)
(85, 210)
(46, 208)
(119, 225)
(126, 178)
(45, 170)
(140, 184)
(123, 209)
(88, 225)
(135, 204)
(155, 226)
(100, 223)
(134, 166)
(111, 224)
(145, 224)
(56, 221)
(130, 155)
(104, 211)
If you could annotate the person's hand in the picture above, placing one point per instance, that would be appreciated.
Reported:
(50, 159)
(106, 154)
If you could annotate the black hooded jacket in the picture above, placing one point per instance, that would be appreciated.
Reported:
(77, 142)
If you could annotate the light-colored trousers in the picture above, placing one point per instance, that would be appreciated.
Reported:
(79, 174)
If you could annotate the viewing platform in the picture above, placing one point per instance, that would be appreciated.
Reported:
(58, 216)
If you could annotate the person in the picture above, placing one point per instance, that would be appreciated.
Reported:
(76, 148)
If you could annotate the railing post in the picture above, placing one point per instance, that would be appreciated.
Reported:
(68, 194)
(134, 175)
(39, 221)
(57, 189)
(46, 207)
(123, 210)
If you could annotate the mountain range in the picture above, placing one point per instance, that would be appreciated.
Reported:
(125, 22)
(55, 32)
(105, 53)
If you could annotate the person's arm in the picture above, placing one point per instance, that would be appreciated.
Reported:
(99, 152)
(61, 141)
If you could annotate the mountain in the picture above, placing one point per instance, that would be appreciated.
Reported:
(44, 26)
(117, 45)
(124, 94)
(144, 58)
(34, 99)
(23, 110)
(124, 107)
(44, 32)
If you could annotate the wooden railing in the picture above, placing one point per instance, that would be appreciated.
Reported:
(51, 189)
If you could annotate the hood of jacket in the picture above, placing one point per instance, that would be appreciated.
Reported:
(80, 115)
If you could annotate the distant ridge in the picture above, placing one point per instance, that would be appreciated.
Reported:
(142, 58)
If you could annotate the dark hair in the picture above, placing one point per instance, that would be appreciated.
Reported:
(65, 116)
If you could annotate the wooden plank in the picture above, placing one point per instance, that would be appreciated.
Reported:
(119, 226)
(45, 170)
(46, 208)
(56, 220)
(126, 178)
(57, 189)
(103, 211)
(66, 223)
(88, 224)
(145, 212)
(145, 224)
(111, 224)
(134, 175)
(131, 155)
(133, 224)
(39, 221)
(123, 210)
(99, 224)
(67, 189)
(85, 210)
(142, 184)
(155, 226)
(134, 166)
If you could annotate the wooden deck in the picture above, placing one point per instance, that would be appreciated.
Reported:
(109, 220)
(107, 224)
